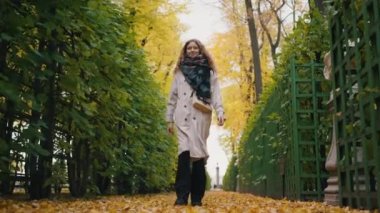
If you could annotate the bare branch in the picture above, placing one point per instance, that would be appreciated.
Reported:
(275, 10)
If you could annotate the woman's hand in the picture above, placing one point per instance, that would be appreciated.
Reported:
(221, 120)
(170, 127)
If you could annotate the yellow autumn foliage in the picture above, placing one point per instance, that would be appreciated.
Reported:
(214, 201)
(233, 56)
(158, 30)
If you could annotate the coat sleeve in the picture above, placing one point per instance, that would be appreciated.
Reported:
(172, 102)
(216, 98)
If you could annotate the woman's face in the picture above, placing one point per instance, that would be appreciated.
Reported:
(192, 49)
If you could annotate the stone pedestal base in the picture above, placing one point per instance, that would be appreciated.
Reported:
(332, 199)
(331, 191)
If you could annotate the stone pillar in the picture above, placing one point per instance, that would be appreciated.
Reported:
(332, 189)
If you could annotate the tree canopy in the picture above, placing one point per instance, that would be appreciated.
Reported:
(77, 93)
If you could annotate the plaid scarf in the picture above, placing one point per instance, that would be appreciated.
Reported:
(197, 74)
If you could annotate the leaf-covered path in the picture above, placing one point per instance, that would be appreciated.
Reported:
(214, 201)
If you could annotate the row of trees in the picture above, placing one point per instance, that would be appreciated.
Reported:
(77, 100)
(274, 23)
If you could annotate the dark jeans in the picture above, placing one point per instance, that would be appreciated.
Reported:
(190, 179)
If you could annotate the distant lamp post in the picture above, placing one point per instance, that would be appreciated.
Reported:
(217, 175)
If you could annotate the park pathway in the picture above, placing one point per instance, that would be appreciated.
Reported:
(214, 201)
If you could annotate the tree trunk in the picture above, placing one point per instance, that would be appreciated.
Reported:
(120, 179)
(6, 128)
(48, 117)
(41, 188)
(78, 156)
(36, 181)
(247, 70)
(27, 173)
(255, 49)
(78, 168)
(4, 149)
(102, 182)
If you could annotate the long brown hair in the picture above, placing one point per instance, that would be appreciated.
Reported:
(202, 50)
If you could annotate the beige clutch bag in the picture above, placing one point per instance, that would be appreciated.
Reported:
(200, 105)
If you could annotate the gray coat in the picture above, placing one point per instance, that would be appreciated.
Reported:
(192, 125)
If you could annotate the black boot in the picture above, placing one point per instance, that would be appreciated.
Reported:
(182, 181)
(198, 182)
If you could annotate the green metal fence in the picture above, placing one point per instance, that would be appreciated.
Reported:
(308, 147)
(259, 168)
(355, 33)
(285, 153)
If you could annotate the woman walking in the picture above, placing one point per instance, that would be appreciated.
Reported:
(194, 90)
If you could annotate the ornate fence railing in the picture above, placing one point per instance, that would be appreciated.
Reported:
(284, 154)
(355, 50)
